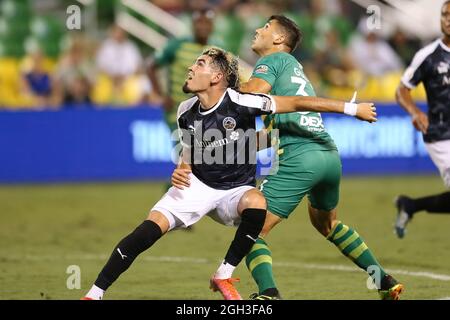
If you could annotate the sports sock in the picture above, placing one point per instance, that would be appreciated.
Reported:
(259, 263)
(142, 238)
(225, 271)
(252, 222)
(352, 246)
(95, 293)
(433, 204)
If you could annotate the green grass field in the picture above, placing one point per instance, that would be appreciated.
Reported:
(46, 228)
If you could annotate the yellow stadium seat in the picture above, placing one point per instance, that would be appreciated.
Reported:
(27, 63)
(104, 92)
(387, 87)
(11, 94)
(419, 93)
(132, 90)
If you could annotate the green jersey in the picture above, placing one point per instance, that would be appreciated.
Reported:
(303, 131)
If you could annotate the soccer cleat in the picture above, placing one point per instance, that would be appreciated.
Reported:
(226, 288)
(390, 289)
(257, 296)
(86, 298)
(403, 217)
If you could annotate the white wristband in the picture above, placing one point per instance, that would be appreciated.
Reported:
(350, 108)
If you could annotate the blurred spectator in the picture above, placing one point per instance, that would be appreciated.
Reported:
(373, 55)
(118, 57)
(74, 76)
(325, 15)
(196, 5)
(316, 22)
(333, 62)
(404, 46)
(228, 27)
(172, 6)
(36, 80)
(254, 15)
(119, 62)
(178, 55)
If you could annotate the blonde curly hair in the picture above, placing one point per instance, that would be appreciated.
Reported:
(227, 63)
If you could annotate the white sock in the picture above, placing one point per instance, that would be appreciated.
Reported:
(225, 271)
(95, 293)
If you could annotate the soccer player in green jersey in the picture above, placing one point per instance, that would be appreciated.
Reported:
(309, 163)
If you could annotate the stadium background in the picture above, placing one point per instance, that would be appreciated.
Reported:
(77, 174)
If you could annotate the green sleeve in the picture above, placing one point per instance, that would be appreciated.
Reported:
(167, 54)
(266, 69)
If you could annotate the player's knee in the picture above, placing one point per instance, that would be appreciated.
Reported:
(160, 219)
(252, 199)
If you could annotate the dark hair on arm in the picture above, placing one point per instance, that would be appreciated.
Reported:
(294, 35)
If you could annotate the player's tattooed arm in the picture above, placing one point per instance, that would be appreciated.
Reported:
(180, 176)
(364, 111)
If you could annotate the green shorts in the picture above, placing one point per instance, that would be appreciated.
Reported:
(315, 173)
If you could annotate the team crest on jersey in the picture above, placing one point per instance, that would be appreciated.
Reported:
(443, 67)
(262, 69)
(229, 123)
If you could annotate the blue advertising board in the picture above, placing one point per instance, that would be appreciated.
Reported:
(118, 144)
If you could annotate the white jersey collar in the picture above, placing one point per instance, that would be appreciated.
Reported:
(446, 48)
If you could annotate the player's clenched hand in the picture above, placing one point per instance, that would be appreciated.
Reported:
(180, 178)
(420, 121)
(366, 112)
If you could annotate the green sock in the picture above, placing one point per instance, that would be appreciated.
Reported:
(259, 263)
(352, 246)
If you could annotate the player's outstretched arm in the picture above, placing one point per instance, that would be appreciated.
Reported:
(363, 111)
(255, 85)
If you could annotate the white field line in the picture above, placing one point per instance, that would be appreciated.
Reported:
(171, 259)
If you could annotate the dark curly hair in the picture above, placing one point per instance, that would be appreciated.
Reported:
(227, 63)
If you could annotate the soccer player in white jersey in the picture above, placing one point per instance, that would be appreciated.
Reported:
(218, 124)
(431, 66)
